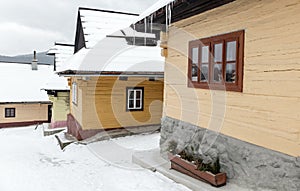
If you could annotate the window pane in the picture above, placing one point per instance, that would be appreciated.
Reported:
(131, 94)
(138, 104)
(138, 94)
(195, 57)
(205, 54)
(131, 104)
(230, 72)
(204, 73)
(194, 73)
(231, 51)
(218, 49)
(217, 73)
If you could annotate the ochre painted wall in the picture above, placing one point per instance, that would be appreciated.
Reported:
(102, 103)
(267, 112)
(25, 113)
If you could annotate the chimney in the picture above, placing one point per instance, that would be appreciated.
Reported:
(34, 65)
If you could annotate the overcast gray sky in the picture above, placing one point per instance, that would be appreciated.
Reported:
(29, 25)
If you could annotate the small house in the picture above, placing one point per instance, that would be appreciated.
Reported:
(22, 102)
(115, 83)
(232, 74)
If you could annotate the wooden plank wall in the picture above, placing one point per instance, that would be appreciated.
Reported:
(267, 112)
(102, 103)
(25, 113)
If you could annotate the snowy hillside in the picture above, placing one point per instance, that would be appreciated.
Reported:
(27, 58)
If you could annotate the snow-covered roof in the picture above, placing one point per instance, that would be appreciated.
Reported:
(97, 24)
(74, 62)
(18, 83)
(57, 83)
(115, 55)
(61, 53)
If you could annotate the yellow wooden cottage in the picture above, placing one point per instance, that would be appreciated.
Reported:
(115, 84)
(232, 74)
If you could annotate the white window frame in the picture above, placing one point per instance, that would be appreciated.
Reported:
(74, 93)
(135, 99)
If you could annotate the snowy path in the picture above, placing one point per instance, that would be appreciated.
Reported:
(31, 162)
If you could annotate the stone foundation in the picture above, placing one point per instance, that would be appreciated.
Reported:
(75, 129)
(246, 164)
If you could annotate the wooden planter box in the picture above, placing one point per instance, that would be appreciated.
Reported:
(190, 169)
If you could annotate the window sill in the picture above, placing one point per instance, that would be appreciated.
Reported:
(134, 110)
(222, 87)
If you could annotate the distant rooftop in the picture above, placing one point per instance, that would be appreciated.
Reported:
(21, 84)
(94, 24)
(61, 52)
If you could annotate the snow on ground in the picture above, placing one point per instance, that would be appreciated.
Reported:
(31, 162)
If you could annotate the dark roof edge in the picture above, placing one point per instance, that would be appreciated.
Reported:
(64, 44)
(183, 9)
(26, 102)
(107, 11)
(99, 73)
(56, 90)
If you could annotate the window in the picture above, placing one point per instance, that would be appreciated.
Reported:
(74, 93)
(10, 112)
(217, 62)
(134, 97)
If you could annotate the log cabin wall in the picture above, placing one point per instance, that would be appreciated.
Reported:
(25, 114)
(266, 113)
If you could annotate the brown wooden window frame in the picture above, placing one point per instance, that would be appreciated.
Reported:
(10, 112)
(237, 85)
